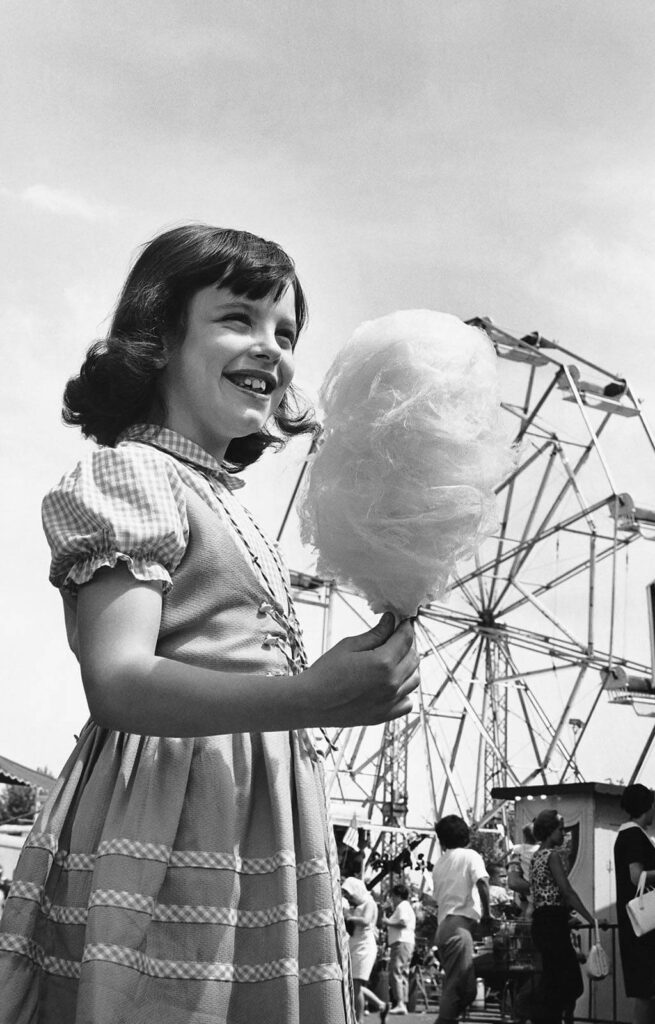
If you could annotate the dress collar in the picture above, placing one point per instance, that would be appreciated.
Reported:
(182, 448)
(633, 824)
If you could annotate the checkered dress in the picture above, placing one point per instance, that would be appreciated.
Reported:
(178, 880)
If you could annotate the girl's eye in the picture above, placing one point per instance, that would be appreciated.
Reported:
(240, 318)
(286, 339)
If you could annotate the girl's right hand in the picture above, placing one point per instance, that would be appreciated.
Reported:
(365, 679)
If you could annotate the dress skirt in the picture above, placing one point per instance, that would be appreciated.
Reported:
(179, 881)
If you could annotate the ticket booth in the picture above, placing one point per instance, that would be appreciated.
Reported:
(592, 816)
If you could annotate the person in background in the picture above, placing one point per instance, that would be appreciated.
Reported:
(633, 853)
(361, 922)
(553, 899)
(501, 903)
(461, 892)
(518, 871)
(401, 929)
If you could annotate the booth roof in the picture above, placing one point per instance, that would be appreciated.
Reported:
(14, 774)
(557, 789)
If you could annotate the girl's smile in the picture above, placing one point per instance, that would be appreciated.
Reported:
(229, 374)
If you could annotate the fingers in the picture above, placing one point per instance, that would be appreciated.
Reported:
(400, 642)
(375, 637)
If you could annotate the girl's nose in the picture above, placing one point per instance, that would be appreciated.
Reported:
(266, 346)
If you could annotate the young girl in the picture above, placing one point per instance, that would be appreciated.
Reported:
(183, 869)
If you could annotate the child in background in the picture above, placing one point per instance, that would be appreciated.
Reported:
(183, 869)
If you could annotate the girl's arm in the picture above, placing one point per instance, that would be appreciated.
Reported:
(568, 892)
(362, 680)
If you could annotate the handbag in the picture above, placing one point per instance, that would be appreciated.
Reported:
(641, 909)
(597, 964)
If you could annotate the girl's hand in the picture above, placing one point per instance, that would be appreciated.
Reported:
(365, 679)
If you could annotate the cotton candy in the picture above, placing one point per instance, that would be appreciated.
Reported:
(402, 485)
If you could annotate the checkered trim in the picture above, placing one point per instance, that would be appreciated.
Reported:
(232, 862)
(179, 858)
(190, 970)
(132, 848)
(33, 952)
(317, 919)
(26, 891)
(315, 866)
(231, 917)
(42, 841)
(320, 972)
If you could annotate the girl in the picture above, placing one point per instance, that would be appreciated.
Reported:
(183, 869)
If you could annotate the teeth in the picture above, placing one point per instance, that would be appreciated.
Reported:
(253, 384)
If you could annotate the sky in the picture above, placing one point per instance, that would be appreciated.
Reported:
(481, 157)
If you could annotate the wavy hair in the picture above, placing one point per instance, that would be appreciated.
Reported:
(117, 386)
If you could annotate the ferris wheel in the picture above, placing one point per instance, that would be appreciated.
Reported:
(545, 634)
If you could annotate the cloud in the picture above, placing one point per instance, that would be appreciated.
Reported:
(60, 202)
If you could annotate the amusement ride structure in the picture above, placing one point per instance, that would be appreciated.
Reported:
(534, 642)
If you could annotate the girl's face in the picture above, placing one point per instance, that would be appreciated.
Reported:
(230, 373)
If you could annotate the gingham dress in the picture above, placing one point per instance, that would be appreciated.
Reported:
(178, 881)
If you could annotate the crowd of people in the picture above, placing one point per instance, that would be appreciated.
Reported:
(468, 898)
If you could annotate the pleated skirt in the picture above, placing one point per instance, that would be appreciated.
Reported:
(179, 881)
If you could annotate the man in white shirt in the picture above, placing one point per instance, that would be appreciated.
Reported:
(461, 892)
(401, 928)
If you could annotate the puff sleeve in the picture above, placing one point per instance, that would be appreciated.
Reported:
(122, 504)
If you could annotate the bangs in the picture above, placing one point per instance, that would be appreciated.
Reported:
(247, 277)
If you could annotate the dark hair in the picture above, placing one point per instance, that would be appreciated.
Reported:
(637, 799)
(452, 832)
(399, 889)
(117, 386)
(545, 823)
(528, 834)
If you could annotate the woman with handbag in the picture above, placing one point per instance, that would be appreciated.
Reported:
(634, 853)
(554, 898)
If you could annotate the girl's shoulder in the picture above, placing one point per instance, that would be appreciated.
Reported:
(127, 502)
(130, 479)
(129, 461)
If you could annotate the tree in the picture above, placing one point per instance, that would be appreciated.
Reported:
(17, 803)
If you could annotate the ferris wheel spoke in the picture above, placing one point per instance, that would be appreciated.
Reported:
(510, 483)
(528, 418)
(475, 718)
(529, 544)
(541, 608)
(587, 565)
(524, 549)
(570, 763)
(459, 734)
(540, 533)
(594, 435)
(550, 731)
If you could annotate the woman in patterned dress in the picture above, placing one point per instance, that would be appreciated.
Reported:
(183, 868)
(553, 899)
